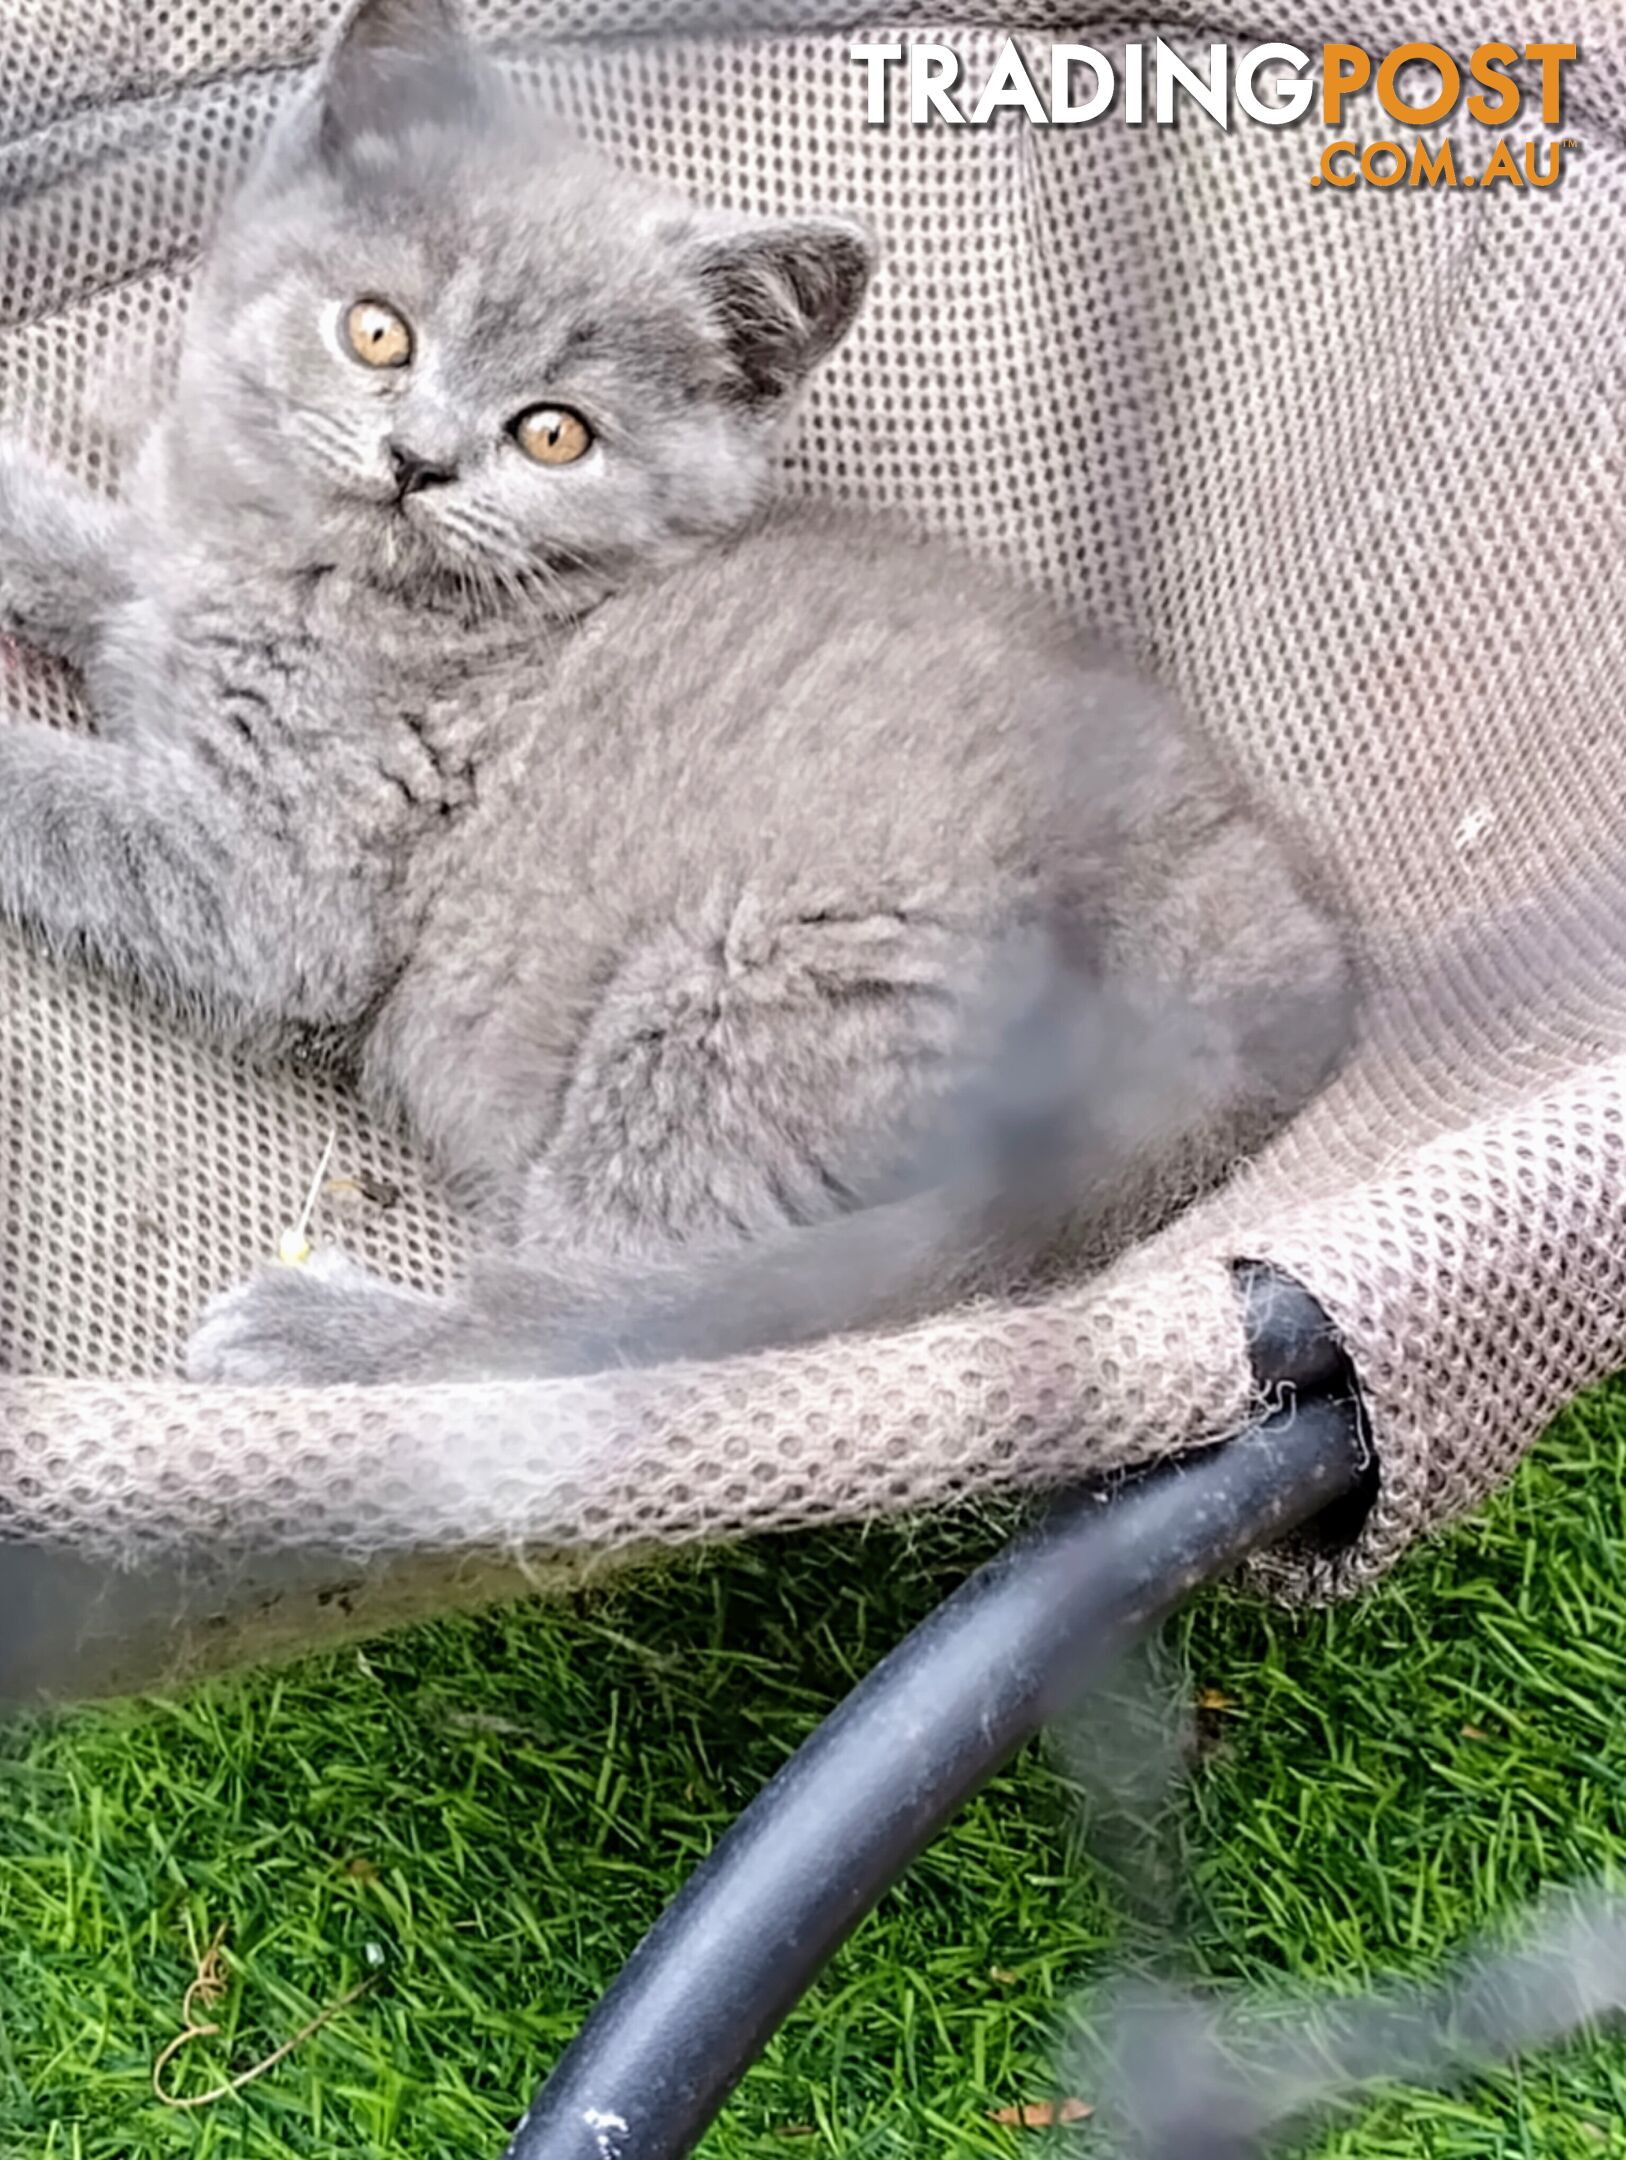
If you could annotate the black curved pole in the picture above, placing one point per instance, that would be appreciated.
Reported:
(1018, 1643)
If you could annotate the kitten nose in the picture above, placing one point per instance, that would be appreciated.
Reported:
(413, 471)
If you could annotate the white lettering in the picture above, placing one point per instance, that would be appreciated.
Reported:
(877, 59)
(933, 72)
(1173, 72)
(1291, 98)
(1063, 60)
(1009, 84)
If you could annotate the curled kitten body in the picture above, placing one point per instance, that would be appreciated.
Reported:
(782, 923)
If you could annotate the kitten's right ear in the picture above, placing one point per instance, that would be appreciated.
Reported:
(391, 62)
(421, 27)
(784, 292)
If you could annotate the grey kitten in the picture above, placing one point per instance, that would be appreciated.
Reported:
(782, 926)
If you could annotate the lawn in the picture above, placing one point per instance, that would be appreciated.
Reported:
(495, 1809)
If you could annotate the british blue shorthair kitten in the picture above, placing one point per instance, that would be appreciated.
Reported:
(779, 925)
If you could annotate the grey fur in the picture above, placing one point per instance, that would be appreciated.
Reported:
(784, 925)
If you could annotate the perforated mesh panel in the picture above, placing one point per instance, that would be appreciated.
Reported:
(1348, 468)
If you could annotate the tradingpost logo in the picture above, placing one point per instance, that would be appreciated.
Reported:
(1391, 96)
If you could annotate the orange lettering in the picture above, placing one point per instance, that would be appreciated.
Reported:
(1552, 58)
(1486, 67)
(1338, 80)
(1532, 166)
(1429, 168)
(1418, 115)
(1369, 164)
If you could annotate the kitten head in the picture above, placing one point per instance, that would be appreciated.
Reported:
(446, 349)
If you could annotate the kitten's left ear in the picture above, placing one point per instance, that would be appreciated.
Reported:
(785, 295)
(392, 61)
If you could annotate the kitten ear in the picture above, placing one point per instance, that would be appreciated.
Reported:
(423, 27)
(392, 61)
(785, 295)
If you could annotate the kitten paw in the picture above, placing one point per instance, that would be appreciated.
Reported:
(327, 1324)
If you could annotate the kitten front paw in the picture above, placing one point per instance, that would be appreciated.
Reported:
(61, 567)
(326, 1324)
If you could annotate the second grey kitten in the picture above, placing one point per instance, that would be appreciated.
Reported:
(784, 925)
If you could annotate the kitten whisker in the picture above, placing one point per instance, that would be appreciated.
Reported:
(322, 431)
(488, 560)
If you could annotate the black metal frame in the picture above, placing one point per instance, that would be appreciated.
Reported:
(1019, 1642)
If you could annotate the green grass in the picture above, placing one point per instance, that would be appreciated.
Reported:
(501, 1806)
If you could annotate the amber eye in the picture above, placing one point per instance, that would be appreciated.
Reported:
(377, 335)
(553, 435)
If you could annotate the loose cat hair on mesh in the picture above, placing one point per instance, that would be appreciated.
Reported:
(775, 925)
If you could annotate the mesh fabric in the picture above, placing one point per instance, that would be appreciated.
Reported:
(1347, 467)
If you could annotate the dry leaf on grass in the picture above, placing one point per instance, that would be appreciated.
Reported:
(1042, 2114)
(1210, 1698)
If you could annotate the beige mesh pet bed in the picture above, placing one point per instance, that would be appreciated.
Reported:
(1347, 466)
